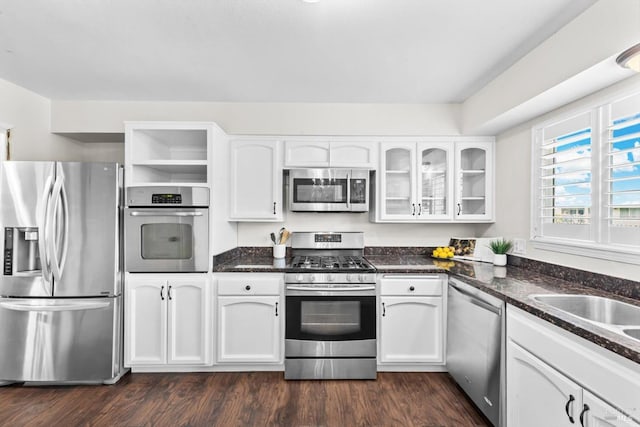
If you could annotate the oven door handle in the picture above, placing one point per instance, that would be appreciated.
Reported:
(138, 213)
(331, 289)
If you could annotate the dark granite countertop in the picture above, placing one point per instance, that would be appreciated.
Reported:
(512, 284)
(515, 286)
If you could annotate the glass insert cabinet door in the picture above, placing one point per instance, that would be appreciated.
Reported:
(434, 175)
(398, 188)
(473, 165)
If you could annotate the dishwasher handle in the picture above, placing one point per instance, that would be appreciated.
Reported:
(474, 299)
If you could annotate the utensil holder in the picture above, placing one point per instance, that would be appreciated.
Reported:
(279, 251)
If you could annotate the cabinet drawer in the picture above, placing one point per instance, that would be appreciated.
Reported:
(413, 285)
(248, 285)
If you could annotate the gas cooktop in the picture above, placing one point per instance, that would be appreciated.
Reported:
(331, 263)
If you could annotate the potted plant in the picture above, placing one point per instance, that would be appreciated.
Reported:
(500, 247)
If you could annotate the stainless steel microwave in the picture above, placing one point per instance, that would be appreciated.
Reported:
(329, 190)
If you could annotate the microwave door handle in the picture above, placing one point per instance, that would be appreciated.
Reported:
(138, 213)
(348, 190)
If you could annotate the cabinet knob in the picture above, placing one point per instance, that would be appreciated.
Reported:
(412, 288)
(248, 287)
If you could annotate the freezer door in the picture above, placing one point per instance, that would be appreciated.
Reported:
(85, 239)
(60, 339)
(25, 194)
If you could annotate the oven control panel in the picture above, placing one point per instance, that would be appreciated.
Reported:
(328, 238)
(166, 199)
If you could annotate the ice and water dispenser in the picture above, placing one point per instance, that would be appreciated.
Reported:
(21, 251)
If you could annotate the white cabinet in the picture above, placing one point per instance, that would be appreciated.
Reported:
(249, 318)
(315, 152)
(538, 395)
(435, 180)
(411, 320)
(558, 379)
(168, 153)
(306, 153)
(415, 181)
(474, 181)
(256, 180)
(167, 319)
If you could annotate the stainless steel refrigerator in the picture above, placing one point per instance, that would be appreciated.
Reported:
(61, 288)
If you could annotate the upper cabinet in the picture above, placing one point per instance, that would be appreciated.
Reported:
(435, 181)
(474, 181)
(256, 180)
(415, 181)
(168, 153)
(356, 153)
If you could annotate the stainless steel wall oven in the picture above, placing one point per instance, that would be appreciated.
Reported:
(167, 229)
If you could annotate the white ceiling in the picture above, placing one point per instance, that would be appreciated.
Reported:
(363, 51)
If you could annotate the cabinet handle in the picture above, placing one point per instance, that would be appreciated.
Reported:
(419, 209)
(248, 287)
(384, 310)
(169, 293)
(276, 309)
(459, 208)
(274, 208)
(162, 292)
(413, 209)
(412, 288)
(585, 408)
(566, 407)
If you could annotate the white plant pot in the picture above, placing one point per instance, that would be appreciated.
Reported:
(499, 259)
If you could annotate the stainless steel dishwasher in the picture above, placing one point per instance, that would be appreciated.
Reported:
(475, 347)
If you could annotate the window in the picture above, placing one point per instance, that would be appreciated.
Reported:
(586, 182)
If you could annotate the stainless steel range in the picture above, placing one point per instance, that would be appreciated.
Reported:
(330, 308)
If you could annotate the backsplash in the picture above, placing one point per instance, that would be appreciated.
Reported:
(622, 287)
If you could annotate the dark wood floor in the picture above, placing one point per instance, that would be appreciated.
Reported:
(243, 399)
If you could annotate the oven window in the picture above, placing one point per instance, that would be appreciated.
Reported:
(320, 190)
(330, 317)
(167, 241)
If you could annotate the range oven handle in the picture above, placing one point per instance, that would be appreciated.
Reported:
(138, 213)
(331, 289)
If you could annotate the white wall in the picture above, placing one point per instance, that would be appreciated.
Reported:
(28, 115)
(263, 118)
(513, 190)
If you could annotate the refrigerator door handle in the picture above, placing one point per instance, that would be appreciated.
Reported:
(58, 306)
(65, 236)
(53, 231)
(45, 256)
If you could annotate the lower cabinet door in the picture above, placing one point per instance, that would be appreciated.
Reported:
(411, 330)
(595, 412)
(190, 332)
(145, 322)
(249, 329)
(537, 394)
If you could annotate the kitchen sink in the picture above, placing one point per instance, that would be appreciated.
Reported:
(633, 333)
(596, 309)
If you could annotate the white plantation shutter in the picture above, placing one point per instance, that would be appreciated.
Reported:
(623, 172)
(564, 178)
(586, 181)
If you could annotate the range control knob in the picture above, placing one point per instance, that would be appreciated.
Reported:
(312, 278)
(299, 277)
(363, 278)
(330, 277)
